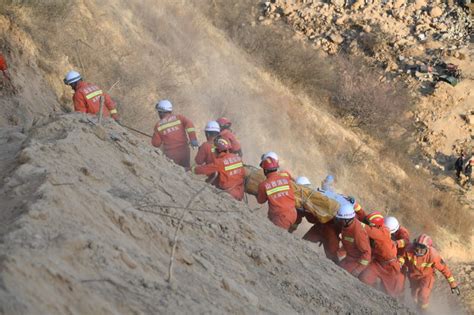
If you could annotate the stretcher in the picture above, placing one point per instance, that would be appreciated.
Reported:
(313, 201)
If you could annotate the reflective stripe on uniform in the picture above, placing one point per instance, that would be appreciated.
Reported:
(188, 130)
(401, 260)
(357, 207)
(233, 166)
(424, 306)
(277, 189)
(94, 94)
(364, 262)
(113, 111)
(283, 174)
(349, 239)
(426, 264)
(375, 216)
(401, 243)
(169, 125)
(451, 279)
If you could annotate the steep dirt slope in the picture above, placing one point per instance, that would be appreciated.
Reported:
(169, 50)
(81, 238)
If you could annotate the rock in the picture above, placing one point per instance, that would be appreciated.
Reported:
(128, 260)
(435, 12)
(391, 66)
(469, 118)
(419, 4)
(338, 3)
(401, 58)
(398, 3)
(336, 38)
(367, 28)
(421, 36)
(357, 4)
(340, 20)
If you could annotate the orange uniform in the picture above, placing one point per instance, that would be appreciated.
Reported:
(3, 63)
(172, 132)
(384, 265)
(87, 100)
(421, 273)
(401, 239)
(355, 242)
(231, 173)
(360, 213)
(229, 136)
(325, 233)
(206, 153)
(281, 198)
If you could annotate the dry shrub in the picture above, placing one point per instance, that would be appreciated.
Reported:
(426, 207)
(358, 93)
(50, 9)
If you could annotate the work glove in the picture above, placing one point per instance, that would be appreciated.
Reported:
(455, 290)
(194, 143)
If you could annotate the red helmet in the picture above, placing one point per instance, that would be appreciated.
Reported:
(224, 122)
(424, 239)
(269, 164)
(222, 145)
(375, 218)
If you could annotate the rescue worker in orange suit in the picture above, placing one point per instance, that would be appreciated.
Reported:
(229, 168)
(87, 97)
(384, 265)
(401, 237)
(355, 241)
(399, 234)
(421, 260)
(227, 134)
(172, 132)
(207, 151)
(277, 190)
(326, 234)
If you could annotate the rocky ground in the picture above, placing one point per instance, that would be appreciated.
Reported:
(410, 41)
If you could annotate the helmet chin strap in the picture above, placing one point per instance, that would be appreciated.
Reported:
(348, 222)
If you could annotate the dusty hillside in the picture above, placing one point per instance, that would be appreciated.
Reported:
(82, 236)
(172, 50)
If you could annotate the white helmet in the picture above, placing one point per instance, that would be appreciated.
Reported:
(392, 224)
(346, 211)
(270, 154)
(213, 126)
(72, 77)
(164, 106)
(302, 180)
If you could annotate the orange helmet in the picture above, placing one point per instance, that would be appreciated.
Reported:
(422, 243)
(375, 219)
(224, 122)
(425, 240)
(222, 145)
(269, 164)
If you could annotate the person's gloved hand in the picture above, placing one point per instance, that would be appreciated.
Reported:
(194, 143)
(455, 290)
